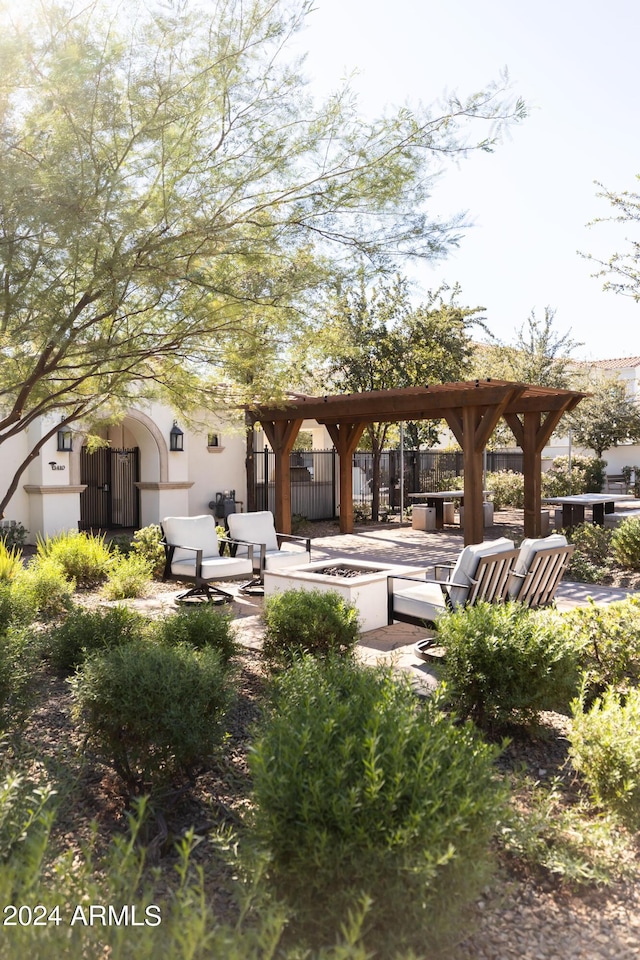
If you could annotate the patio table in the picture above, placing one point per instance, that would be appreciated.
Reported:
(437, 498)
(573, 506)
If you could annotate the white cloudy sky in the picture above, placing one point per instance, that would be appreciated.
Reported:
(576, 63)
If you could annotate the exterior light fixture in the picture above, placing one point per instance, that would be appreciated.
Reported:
(65, 440)
(176, 438)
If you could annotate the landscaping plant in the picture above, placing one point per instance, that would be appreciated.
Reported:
(200, 625)
(362, 789)
(147, 543)
(299, 622)
(87, 631)
(129, 576)
(45, 588)
(84, 558)
(625, 543)
(607, 640)
(505, 663)
(592, 558)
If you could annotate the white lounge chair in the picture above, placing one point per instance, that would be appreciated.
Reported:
(481, 572)
(539, 569)
(192, 549)
(271, 550)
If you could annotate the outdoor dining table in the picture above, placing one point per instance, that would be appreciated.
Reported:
(437, 498)
(573, 506)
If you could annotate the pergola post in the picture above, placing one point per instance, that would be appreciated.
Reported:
(345, 437)
(281, 434)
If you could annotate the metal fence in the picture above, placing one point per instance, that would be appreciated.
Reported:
(315, 490)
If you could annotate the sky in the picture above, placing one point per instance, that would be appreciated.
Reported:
(576, 64)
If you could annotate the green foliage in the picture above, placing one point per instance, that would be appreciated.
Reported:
(361, 512)
(606, 418)
(625, 543)
(507, 488)
(587, 475)
(10, 562)
(506, 663)
(361, 789)
(120, 544)
(153, 712)
(200, 625)
(14, 535)
(44, 588)
(129, 576)
(301, 622)
(87, 631)
(17, 662)
(147, 543)
(605, 749)
(83, 557)
(634, 487)
(607, 638)
(591, 560)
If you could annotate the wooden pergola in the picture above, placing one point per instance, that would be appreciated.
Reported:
(471, 409)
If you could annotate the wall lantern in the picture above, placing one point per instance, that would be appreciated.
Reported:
(176, 438)
(65, 440)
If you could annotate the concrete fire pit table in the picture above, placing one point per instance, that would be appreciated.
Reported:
(362, 583)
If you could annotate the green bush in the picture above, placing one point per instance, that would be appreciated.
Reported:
(607, 639)
(307, 622)
(591, 560)
(625, 543)
(86, 631)
(14, 535)
(506, 663)
(200, 625)
(507, 488)
(587, 476)
(44, 587)
(605, 749)
(17, 662)
(129, 576)
(84, 558)
(147, 543)
(361, 789)
(10, 562)
(15, 608)
(153, 712)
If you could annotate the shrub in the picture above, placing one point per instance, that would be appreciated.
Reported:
(153, 712)
(507, 488)
(10, 562)
(307, 621)
(506, 663)
(120, 544)
(87, 631)
(14, 535)
(592, 557)
(361, 512)
(361, 789)
(607, 639)
(129, 576)
(147, 543)
(17, 660)
(200, 625)
(83, 557)
(587, 476)
(605, 749)
(625, 543)
(44, 587)
(15, 608)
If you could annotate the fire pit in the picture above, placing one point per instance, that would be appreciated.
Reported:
(361, 583)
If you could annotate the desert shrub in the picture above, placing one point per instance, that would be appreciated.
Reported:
(86, 631)
(83, 557)
(44, 587)
(607, 639)
(10, 562)
(448, 480)
(591, 560)
(625, 543)
(15, 608)
(506, 663)
(507, 488)
(307, 622)
(120, 544)
(587, 475)
(147, 543)
(605, 749)
(361, 511)
(129, 576)
(17, 661)
(361, 789)
(152, 711)
(14, 535)
(201, 625)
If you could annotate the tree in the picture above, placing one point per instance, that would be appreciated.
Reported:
(380, 342)
(152, 158)
(607, 418)
(622, 270)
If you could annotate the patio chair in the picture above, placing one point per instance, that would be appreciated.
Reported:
(271, 550)
(481, 572)
(192, 549)
(539, 569)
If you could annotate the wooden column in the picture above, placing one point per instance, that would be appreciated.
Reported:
(281, 434)
(346, 437)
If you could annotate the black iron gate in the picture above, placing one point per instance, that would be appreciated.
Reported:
(111, 498)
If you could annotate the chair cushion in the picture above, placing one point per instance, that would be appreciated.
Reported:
(197, 532)
(258, 527)
(528, 549)
(422, 600)
(467, 564)
(278, 559)
(214, 568)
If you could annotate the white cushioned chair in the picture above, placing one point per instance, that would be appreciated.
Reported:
(271, 550)
(481, 572)
(192, 549)
(539, 569)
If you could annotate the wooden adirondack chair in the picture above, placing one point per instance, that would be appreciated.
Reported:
(540, 568)
(482, 571)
